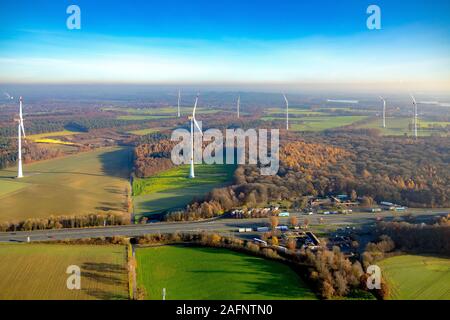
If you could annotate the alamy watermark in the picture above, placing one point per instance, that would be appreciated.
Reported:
(235, 144)
(73, 22)
(374, 279)
(74, 280)
(374, 20)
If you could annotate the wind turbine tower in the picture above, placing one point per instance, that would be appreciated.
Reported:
(193, 123)
(20, 129)
(384, 111)
(179, 99)
(238, 105)
(287, 111)
(414, 116)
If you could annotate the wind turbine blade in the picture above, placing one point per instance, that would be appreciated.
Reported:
(238, 105)
(23, 129)
(198, 126)
(195, 107)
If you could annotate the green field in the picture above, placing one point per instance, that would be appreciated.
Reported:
(38, 271)
(132, 114)
(211, 273)
(7, 187)
(84, 183)
(143, 132)
(163, 111)
(142, 117)
(324, 122)
(417, 277)
(143, 111)
(173, 189)
(308, 120)
(293, 111)
(401, 126)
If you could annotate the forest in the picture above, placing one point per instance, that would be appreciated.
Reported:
(152, 154)
(403, 171)
(31, 152)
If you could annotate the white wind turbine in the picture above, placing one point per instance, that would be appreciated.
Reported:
(8, 95)
(193, 123)
(179, 98)
(20, 129)
(287, 111)
(384, 111)
(238, 105)
(414, 116)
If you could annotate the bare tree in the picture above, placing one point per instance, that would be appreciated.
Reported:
(274, 222)
(293, 221)
(292, 244)
(306, 223)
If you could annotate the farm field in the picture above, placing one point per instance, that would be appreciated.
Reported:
(428, 124)
(142, 117)
(63, 148)
(143, 132)
(54, 141)
(7, 187)
(323, 122)
(38, 271)
(163, 111)
(309, 120)
(172, 189)
(211, 273)
(40, 136)
(293, 111)
(79, 184)
(401, 126)
(417, 277)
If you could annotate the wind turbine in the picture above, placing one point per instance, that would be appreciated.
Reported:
(414, 116)
(287, 111)
(20, 129)
(8, 95)
(179, 98)
(238, 105)
(384, 111)
(193, 122)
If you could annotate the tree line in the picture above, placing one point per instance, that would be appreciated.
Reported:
(30, 152)
(59, 222)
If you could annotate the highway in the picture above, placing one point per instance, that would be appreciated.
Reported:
(225, 225)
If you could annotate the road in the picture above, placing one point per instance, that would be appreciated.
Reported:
(217, 225)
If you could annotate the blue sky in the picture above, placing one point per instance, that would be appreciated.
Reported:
(225, 41)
